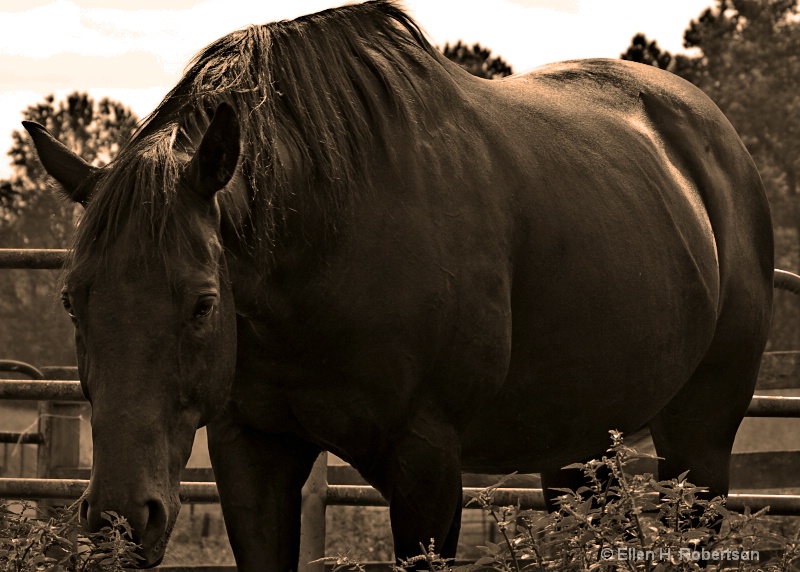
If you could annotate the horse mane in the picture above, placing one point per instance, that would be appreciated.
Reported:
(332, 86)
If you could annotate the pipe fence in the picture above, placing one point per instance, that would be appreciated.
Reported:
(58, 449)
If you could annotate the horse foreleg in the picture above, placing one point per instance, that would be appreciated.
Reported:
(421, 479)
(260, 478)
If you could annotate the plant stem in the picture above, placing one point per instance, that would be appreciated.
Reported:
(620, 476)
(508, 542)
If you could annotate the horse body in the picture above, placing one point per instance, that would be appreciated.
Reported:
(620, 250)
(633, 235)
(520, 266)
(609, 265)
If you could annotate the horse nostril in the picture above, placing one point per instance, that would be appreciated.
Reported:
(90, 517)
(156, 522)
(148, 521)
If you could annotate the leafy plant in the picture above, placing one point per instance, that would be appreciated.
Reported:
(618, 521)
(33, 539)
(622, 521)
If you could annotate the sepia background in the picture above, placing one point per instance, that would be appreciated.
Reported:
(89, 70)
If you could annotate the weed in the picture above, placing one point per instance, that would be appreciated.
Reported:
(618, 521)
(33, 539)
(627, 522)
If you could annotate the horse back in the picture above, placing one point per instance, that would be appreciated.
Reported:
(695, 141)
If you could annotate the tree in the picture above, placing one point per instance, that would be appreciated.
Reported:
(33, 215)
(30, 210)
(645, 52)
(477, 60)
(749, 64)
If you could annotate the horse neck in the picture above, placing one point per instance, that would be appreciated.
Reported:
(399, 162)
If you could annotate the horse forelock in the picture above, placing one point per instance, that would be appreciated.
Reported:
(330, 87)
(134, 216)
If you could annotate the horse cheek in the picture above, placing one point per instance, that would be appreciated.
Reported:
(83, 366)
(212, 362)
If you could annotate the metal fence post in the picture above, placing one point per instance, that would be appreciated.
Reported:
(60, 423)
(312, 518)
(45, 430)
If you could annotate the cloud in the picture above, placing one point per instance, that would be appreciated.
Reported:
(136, 4)
(528, 33)
(81, 72)
(557, 5)
(47, 30)
(134, 45)
(173, 35)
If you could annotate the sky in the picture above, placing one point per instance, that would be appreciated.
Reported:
(136, 50)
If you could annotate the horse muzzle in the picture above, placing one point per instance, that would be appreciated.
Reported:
(148, 517)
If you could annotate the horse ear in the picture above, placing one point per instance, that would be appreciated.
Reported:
(61, 163)
(214, 162)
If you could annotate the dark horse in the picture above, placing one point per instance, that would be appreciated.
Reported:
(329, 237)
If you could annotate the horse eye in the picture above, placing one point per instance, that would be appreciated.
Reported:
(68, 306)
(203, 307)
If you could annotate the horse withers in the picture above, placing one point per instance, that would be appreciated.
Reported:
(329, 237)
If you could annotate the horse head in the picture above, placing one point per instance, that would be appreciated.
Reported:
(147, 289)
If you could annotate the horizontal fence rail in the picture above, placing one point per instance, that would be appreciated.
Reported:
(32, 258)
(773, 406)
(21, 438)
(353, 495)
(41, 390)
(11, 365)
(53, 259)
(57, 390)
(191, 491)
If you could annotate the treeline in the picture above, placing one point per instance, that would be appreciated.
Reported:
(748, 61)
(746, 57)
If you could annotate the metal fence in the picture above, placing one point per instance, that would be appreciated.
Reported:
(58, 390)
(57, 447)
